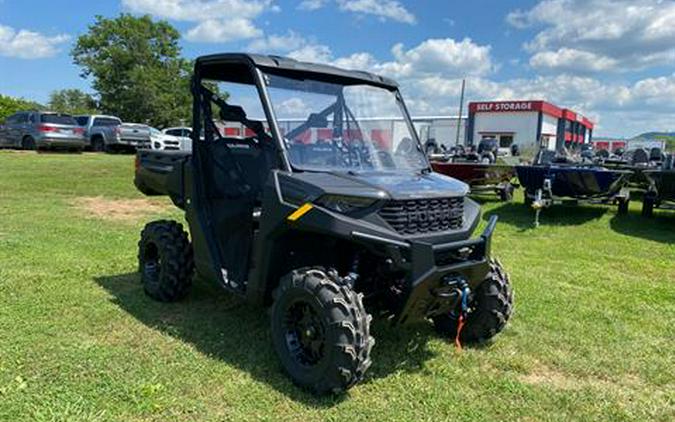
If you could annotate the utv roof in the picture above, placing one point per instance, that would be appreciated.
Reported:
(210, 67)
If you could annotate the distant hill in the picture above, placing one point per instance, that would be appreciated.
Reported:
(652, 136)
(669, 137)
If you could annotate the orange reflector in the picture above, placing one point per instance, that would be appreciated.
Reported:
(300, 212)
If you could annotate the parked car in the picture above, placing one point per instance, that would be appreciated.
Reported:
(161, 141)
(183, 133)
(102, 132)
(134, 136)
(42, 130)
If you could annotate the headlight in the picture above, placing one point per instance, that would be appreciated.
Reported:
(345, 204)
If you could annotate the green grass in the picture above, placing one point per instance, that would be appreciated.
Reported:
(592, 337)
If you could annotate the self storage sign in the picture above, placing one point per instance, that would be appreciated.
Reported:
(504, 106)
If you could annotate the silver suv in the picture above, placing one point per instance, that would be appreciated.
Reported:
(42, 130)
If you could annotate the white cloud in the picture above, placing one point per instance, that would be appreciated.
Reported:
(197, 10)
(570, 59)
(215, 30)
(314, 53)
(24, 44)
(431, 74)
(384, 9)
(217, 20)
(278, 43)
(445, 56)
(621, 34)
(312, 4)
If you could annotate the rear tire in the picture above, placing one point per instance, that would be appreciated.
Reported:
(98, 144)
(490, 309)
(165, 261)
(321, 331)
(28, 143)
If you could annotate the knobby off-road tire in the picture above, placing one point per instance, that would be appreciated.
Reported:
(321, 330)
(165, 261)
(491, 308)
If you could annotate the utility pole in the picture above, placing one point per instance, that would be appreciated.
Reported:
(461, 106)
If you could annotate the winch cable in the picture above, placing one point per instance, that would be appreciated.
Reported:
(464, 307)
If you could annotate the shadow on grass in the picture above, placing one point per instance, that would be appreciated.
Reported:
(225, 327)
(521, 216)
(659, 228)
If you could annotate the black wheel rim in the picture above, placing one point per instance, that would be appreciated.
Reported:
(305, 333)
(151, 264)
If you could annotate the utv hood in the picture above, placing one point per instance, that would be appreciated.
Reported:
(380, 184)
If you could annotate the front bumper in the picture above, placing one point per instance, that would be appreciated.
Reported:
(137, 143)
(435, 270)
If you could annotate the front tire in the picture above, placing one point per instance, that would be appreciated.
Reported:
(165, 261)
(321, 331)
(490, 309)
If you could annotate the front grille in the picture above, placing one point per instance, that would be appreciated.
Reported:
(417, 216)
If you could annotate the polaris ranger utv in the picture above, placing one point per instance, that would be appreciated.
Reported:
(322, 207)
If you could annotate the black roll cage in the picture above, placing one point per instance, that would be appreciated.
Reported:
(248, 69)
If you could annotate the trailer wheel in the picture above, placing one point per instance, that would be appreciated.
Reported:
(506, 192)
(490, 309)
(165, 261)
(623, 206)
(321, 330)
(648, 202)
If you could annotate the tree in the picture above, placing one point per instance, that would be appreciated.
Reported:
(72, 101)
(136, 68)
(10, 105)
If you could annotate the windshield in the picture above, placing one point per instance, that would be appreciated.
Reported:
(331, 126)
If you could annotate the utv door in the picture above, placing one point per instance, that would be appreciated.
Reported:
(230, 166)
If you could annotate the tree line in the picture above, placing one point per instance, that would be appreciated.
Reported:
(136, 70)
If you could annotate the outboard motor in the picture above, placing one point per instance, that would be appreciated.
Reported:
(656, 155)
(431, 147)
(515, 150)
(640, 157)
(602, 153)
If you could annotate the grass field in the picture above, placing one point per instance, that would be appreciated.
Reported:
(592, 338)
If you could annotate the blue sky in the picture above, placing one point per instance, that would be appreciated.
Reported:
(613, 60)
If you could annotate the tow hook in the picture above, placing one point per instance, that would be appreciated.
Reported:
(463, 312)
(451, 287)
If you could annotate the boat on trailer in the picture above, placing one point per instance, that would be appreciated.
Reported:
(481, 177)
(661, 192)
(480, 169)
(553, 179)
